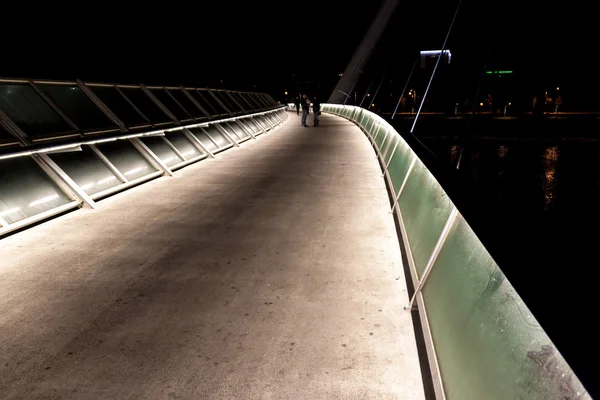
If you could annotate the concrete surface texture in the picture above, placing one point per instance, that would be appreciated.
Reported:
(270, 272)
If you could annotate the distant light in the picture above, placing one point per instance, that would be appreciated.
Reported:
(447, 53)
(9, 211)
(106, 180)
(481, 104)
(133, 171)
(285, 93)
(368, 95)
(373, 105)
(340, 74)
(43, 200)
(510, 104)
(557, 88)
(498, 72)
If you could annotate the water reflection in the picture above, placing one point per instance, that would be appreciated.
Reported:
(502, 151)
(551, 155)
(454, 154)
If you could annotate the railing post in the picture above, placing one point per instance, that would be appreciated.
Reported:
(56, 171)
(434, 255)
(150, 156)
(197, 143)
(227, 135)
(175, 150)
(245, 128)
(109, 164)
(410, 168)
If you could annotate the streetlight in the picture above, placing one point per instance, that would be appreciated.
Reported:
(286, 93)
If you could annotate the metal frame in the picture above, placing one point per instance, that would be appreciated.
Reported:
(152, 158)
(179, 154)
(227, 136)
(79, 193)
(52, 104)
(168, 91)
(197, 143)
(188, 94)
(109, 164)
(103, 107)
(159, 103)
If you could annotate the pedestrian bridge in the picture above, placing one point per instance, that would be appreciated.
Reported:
(311, 263)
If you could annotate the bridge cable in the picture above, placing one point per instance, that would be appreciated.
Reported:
(367, 92)
(435, 68)
(405, 86)
(377, 91)
(467, 135)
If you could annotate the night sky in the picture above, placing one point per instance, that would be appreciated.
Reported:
(291, 46)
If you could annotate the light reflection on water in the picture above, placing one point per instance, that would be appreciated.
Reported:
(551, 155)
(529, 163)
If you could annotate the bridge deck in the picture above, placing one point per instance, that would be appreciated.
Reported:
(270, 272)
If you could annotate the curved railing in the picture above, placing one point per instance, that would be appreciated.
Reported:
(38, 182)
(482, 341)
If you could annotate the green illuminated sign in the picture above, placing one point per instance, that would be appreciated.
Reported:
(498, 72)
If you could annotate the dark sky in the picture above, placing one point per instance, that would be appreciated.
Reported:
(272, 45)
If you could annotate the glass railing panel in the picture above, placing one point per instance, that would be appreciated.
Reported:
(369, 123)
(243, 103)
(188, 104)
(170, 104)
(488, 344)
(78, 107)
(381, 135)
(231, 131)
(182, 144)
(30, 111)
(204, 139)
(201, 99)
(252, 125)
(221, 96)
(212, 99)
(26, 190)
(399, 165)
(238, 130)
(5, 136)
(217, 136)
(162, 150)
(86, 169)
(125, 157)
(119, 105)
(146, 105)
(250, 100)
(425, 208)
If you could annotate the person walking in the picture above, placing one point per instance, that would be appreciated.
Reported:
(316, 110)
(297, 104)
(305, 109)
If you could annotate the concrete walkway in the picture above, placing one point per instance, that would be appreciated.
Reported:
(270, 272)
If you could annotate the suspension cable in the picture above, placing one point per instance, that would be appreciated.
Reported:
(405, 86)
(377, 91)
(435, 68)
